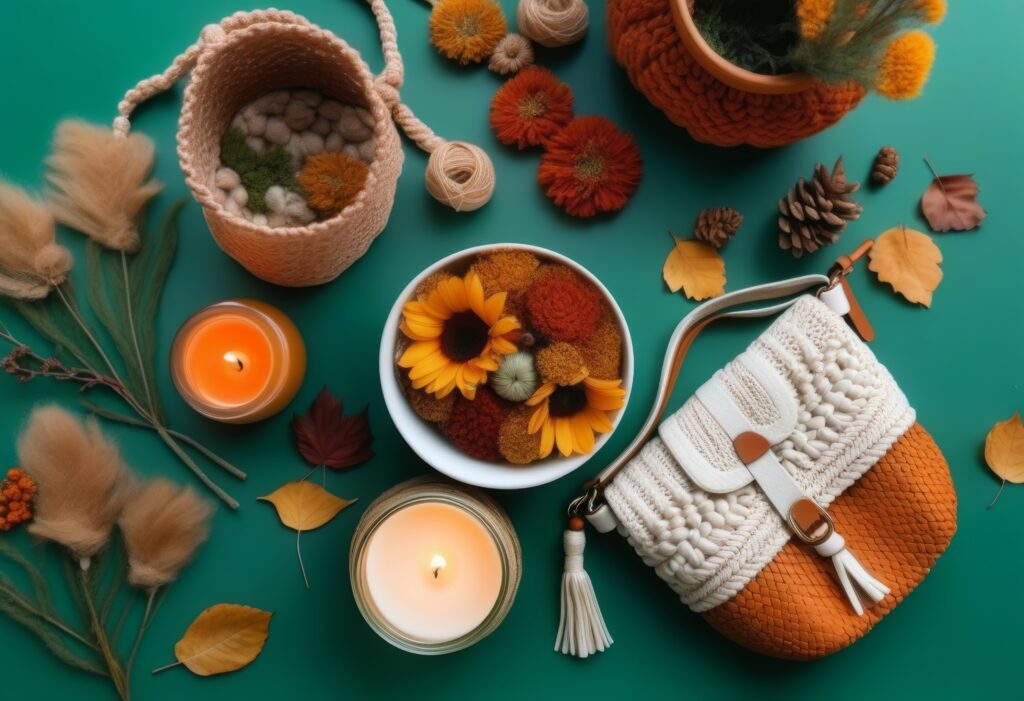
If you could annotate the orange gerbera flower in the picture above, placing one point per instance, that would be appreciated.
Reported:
(467, 31)
(530, 108)
(590, 167)
(458, 336)
(568, 416)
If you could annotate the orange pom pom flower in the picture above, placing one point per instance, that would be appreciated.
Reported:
(332, 181)
(590, 167)
(466, 31)
(812, 16)
(905, 66)
(932, 11)
(530, 108)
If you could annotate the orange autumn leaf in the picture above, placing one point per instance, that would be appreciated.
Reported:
(223, 638)
(1004, 451)
(909, 261)
(696, 268)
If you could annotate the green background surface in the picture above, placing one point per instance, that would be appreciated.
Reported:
(959, 363)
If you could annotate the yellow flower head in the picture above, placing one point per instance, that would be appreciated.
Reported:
(905, 66)
(812, 16)
(568, 416)
(467, 31)
(458, 336)
(932, 11)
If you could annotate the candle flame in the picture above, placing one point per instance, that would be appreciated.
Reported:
(232, 358)
(437, 564)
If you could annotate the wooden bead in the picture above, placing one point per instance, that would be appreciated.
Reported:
(576, 523)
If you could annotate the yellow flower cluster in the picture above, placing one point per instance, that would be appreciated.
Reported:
(812, 16)
(905, 66)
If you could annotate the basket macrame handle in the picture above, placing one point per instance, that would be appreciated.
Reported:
(459, 174)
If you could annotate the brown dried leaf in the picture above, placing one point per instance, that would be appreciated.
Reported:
(909, 261)
(223, 638)
(951, 203)
(304, 506)
(696, 268)
(1004, 451)
(325, 436)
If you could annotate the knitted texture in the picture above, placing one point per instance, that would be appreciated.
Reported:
(898, 519)
(849, 412)
(644, 40)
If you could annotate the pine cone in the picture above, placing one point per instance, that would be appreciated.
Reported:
(813, 214)
(717, 225)
(887, 164)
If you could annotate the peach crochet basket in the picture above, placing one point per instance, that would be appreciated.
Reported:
(667, 59)
(253, 53)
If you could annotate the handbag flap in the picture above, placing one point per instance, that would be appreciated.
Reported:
(821, 398)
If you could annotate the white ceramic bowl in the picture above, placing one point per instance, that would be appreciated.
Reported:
(427, 440)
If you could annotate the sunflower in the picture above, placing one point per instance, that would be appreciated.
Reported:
(458, 335)
(568, 416)
(467, 31)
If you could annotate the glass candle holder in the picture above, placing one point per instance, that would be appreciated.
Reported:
(434, 567)
(238, 361)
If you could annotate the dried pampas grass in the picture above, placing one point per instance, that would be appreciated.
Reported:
(162, 527)
(80, 477)
(31, 261)
(99, 182)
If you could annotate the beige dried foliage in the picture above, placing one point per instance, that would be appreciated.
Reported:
(162, 525)
(100, 182)
(696, 268)
(31, 261)
(80, 477)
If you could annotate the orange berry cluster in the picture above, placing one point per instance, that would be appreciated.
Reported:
(16, 493)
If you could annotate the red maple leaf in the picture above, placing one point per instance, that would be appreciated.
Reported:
(325, 436)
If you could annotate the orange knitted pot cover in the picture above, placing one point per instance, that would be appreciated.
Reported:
(644, 41)
(898, 518)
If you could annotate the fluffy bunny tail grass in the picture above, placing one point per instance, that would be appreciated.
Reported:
(99, 182)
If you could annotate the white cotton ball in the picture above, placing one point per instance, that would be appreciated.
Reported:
(334, 143)
(309, 97)
(351, 150)
(277, 131)
(226, 179)
(367, 149)
(366, 117)
(275, 198)
(256, 144)
(331, 109)
(259, 219)
(299, 116)
(296, 149)
(240, 195)
(220, 195)
(273, 103)
(232, 207)
(239, 123)
(312, 143)
(257, 124)
(351, 127)
(277, 220)
(321, 126)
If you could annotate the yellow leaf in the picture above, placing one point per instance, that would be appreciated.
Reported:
(696, 268)
(305, 506)
(223, 638)
(909, 261)
(1004, 451)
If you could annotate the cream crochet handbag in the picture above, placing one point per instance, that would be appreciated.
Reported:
(793, 501)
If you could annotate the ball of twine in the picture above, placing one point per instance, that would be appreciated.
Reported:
(460, 175)
(553, 23)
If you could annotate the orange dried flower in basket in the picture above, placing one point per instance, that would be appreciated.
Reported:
(332, 181)
(530, 108)
(905, 65)
(466, 31)
(590, 167)
(16, 494)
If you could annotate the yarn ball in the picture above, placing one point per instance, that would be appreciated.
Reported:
(516, 377)
(474, 424)
(563, 307)
(460, 175)
(511, 55)
(553, 23)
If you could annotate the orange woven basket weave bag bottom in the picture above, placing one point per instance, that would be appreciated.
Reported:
(793, 501)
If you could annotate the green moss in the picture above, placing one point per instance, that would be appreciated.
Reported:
(256, 171)
(756, 36)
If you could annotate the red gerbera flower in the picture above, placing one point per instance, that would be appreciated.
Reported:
(530, 108)
(590, 167)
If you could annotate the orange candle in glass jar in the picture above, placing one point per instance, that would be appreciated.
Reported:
(238, 361)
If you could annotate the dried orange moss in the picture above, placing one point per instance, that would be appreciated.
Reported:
(515, 443)
(506, 271)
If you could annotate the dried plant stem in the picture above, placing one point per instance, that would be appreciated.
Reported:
(134, 334)
(117, 675)
(190, 464)
(166, 667)
(143, 625)
(999, 493)
(298, 551)
(16, 597)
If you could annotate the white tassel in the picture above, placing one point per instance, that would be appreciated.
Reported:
(852, 575)
(581, 629)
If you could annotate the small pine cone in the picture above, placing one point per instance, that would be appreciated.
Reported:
(717, 225)
(887, 164)
(813, 214)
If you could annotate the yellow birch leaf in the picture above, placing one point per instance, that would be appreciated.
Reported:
(305, 506)
(1004, 451)
(909, 261)
(696, 268)
(223, 638)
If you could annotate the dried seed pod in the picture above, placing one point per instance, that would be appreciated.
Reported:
(716, 226)
(886, 165)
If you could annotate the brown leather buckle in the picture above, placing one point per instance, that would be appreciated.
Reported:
(844, 264)
(810, 522)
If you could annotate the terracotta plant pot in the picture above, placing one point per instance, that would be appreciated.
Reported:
(668, 60)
